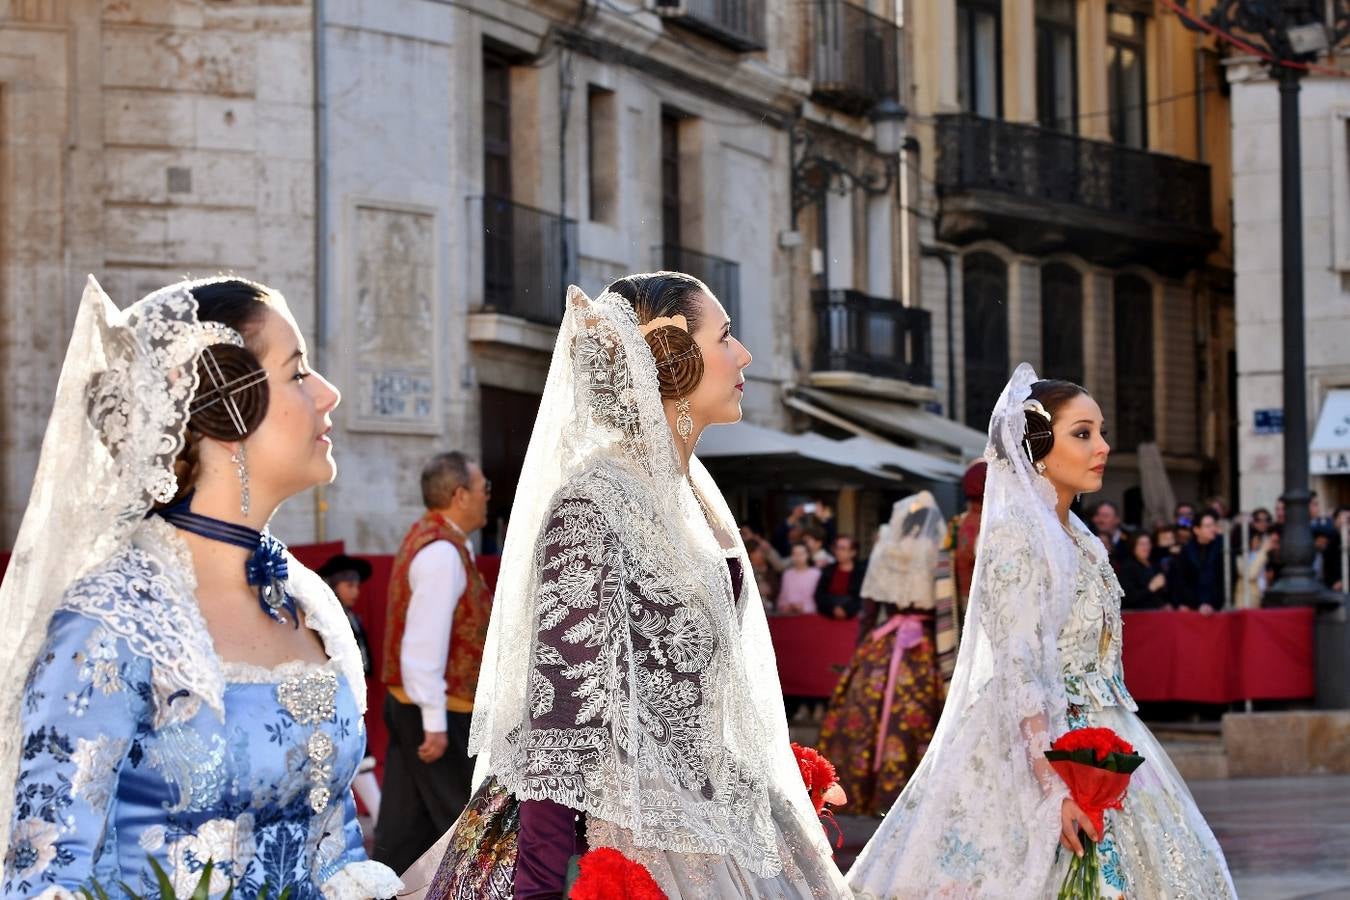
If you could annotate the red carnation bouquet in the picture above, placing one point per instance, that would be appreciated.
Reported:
(1096, 765)
(822, 783)
(606, 874)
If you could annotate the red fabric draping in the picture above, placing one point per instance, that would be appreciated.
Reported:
(1256, 654)
(1249, 654)
(812, 650)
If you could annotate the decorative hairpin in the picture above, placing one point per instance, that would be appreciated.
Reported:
(1035, 406)
(224, 391)
(679, 322)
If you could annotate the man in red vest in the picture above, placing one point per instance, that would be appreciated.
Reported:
(437, 622)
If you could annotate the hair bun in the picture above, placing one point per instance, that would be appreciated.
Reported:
(679, 362)
(246, 393)
(1040, 438)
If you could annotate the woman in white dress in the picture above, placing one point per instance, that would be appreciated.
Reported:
(985, 816)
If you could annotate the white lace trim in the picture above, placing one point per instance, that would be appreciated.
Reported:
(324, 614)
(56, 893)
(248, 673)
(362, 881)
(144, 596)
(147, 596)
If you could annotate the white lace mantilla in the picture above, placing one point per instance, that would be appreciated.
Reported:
(147, 596)
(620, 676)
(633, 665)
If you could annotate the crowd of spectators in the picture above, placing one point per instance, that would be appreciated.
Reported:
(1180, 564)
(1205, 558)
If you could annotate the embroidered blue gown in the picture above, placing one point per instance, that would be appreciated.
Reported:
(139, 742)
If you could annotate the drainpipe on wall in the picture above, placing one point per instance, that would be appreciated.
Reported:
(321, 280)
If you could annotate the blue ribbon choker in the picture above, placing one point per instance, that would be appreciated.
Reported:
(266, 568)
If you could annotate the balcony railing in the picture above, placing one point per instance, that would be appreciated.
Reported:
(1032, 163)
(722, 276)
(738, 24)
(855, 56)
(873, 336)
(530, 257)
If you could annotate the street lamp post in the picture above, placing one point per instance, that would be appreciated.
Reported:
(1290, 34)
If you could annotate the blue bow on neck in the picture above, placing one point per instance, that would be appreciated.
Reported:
(267, 571)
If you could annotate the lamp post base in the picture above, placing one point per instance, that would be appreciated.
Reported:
(1299, 588)
(1331, 655)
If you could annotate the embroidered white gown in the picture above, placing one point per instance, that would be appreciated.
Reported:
(1158, 847)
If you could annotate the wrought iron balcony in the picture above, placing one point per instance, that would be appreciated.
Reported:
(738, 24)
(1041, 190)
(530, 257)
(722, 276)
(855, 56)
(873, 336)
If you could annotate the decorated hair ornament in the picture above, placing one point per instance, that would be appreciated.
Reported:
(1044, 440)
(679, 322)
(232, 394)
(1035, 406)
(266, 569)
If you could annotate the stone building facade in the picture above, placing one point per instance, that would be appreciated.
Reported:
(1071, 204)
(421, 180)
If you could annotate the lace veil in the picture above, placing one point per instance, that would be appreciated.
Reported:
(621, 677)
(904, 561)
(116, 427)
(980, 817)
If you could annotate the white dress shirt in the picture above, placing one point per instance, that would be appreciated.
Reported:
(438, 580)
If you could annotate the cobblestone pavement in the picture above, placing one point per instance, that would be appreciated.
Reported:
(1285, 838)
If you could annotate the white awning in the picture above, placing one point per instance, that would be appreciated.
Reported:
(860, 454)
(1329, 453)
(909, 422)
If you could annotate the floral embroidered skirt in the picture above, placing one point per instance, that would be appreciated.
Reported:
(476, 859)
(883, 713)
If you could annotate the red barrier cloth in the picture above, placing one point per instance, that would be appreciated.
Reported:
(1249, 654)
(812, 652)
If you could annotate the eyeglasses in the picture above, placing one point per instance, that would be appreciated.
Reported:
(487, 485)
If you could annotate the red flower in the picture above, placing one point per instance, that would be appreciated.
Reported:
(1096, 766)
(606, 874)
(819, 776)
(1103, 741)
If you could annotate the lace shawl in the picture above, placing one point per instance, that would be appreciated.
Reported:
(116, 426)
(980, 817)
(904, 561)
(620, 676)
(146, 596)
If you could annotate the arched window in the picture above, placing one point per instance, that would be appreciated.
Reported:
(1062, 322)
(1134, 422)
(984, 302)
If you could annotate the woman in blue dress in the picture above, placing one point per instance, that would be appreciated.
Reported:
(174, 686)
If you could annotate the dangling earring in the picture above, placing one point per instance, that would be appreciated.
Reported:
(240, 461)
(1040, 467)
(684, 423)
